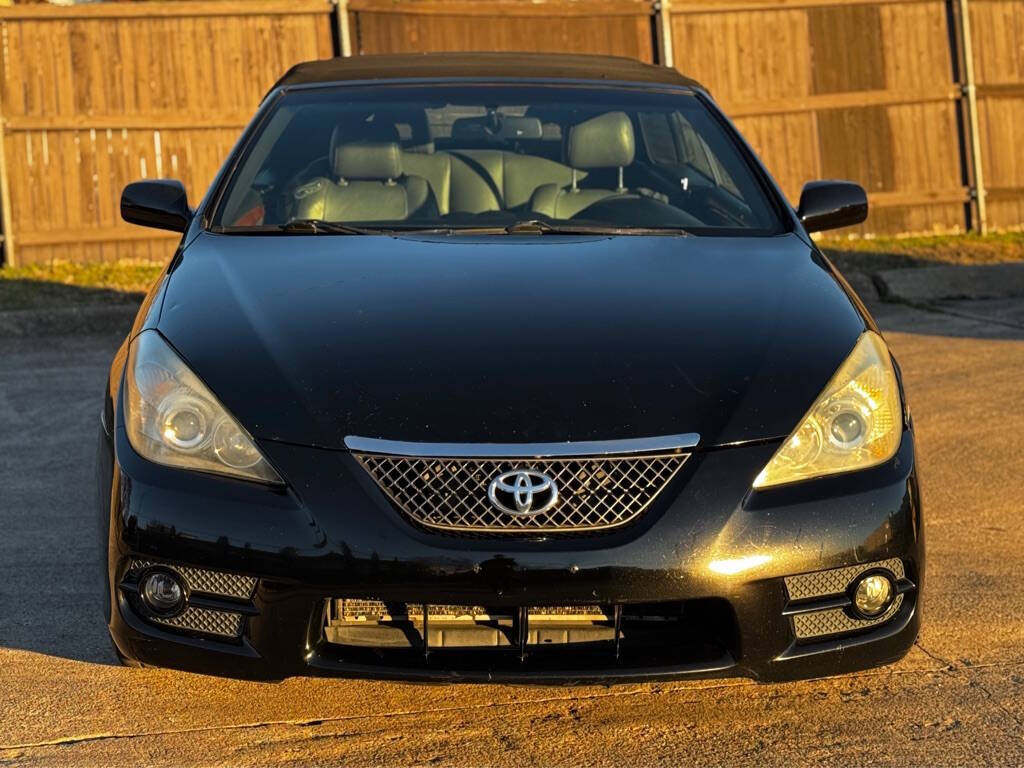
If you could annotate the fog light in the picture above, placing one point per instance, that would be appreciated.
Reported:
(873, 595)
(162, 593)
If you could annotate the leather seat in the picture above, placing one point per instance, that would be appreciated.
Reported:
(605, 141)
(370, 185)
(478, 180)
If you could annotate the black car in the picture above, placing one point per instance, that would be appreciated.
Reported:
(504, 367)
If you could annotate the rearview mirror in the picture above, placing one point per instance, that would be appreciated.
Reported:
(159, 203)
(832, 204)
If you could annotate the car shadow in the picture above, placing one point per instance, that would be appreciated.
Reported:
(50, 563)
(994, 313)
(47, 295)
(983, 319)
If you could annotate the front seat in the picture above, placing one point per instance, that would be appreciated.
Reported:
(369, 186)
(605, 141)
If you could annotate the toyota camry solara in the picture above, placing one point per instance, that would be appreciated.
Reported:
(504, 367)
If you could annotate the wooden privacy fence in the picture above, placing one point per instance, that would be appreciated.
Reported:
(95, 96)
(997, 32)
(853, 90)
(870, 90)
(618, 27)
(915, 99)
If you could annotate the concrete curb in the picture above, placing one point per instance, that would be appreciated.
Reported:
(64, 321)
(863, 285)
(939, 283)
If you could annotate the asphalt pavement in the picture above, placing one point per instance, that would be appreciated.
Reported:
(958, 698)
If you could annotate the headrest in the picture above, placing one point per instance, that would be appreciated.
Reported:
(354, 131)
(605, 141)
(367, 160)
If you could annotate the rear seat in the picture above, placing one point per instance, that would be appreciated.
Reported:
(478, 180)
(461, 180)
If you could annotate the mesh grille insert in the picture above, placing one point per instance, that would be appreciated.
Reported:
(836, 621)
(206, 621)
(219, 583)
(827, 620)
(594, 493)
(835, 581)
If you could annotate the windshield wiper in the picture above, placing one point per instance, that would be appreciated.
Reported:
(541, 227)
(319, 226)
(526, 226)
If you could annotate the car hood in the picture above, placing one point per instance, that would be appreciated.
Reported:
(519, 338)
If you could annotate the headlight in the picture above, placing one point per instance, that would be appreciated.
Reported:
(855, 423)
(173, 419)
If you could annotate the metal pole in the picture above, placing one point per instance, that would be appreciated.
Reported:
(664, 26)
(6, 223)
(971, 92)
(341, 20)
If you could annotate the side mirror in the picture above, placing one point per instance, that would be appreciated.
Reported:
(159, 203)
(832, 204)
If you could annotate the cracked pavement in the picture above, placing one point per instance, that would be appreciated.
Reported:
(957, 698)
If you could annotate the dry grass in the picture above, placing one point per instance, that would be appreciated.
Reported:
(64, 284)
(870, 255)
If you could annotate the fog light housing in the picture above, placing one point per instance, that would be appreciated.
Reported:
(162, 593)
(873, 593)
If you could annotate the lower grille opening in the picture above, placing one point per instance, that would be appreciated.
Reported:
(477, 637)
(215, 603)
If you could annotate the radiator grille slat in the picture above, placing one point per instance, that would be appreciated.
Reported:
(450, 494)
(369, 609)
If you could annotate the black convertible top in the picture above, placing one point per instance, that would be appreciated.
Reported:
(526, 66)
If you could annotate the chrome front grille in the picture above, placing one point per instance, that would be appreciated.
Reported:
(595, 492)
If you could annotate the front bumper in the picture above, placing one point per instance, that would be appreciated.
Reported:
(711, 541)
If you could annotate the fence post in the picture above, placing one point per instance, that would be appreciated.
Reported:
(663, 25)
(341, 20)
(970, 90)
(6, 223)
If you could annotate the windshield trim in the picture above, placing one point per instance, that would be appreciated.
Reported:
(780, 206)
(556, 82)
(772, 191)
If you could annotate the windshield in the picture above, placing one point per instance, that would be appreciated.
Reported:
(355, 160)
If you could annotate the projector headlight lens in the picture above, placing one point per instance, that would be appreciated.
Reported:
(184, 422)
(172, 418)
(855, 423)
